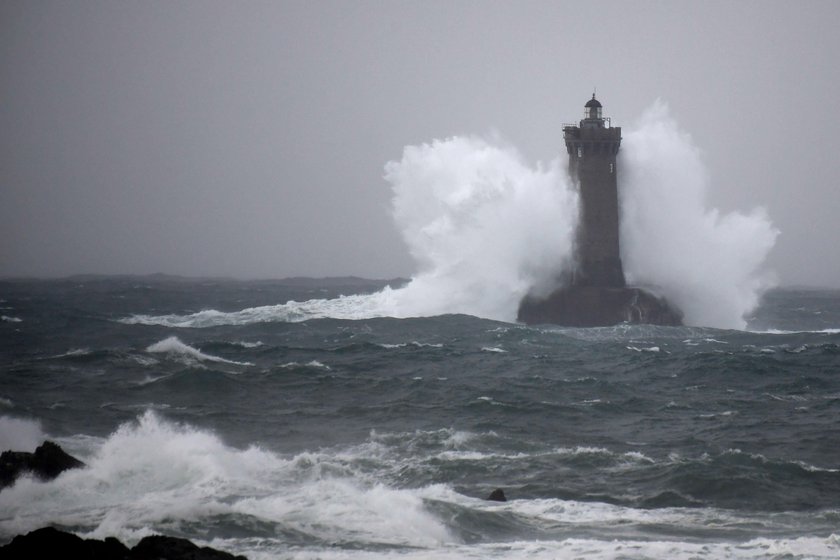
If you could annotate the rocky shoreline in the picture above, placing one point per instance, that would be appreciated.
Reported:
(50, 542)
(47, 462)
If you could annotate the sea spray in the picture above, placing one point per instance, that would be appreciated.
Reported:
(19, 434)
(484, 227)
(707, 263)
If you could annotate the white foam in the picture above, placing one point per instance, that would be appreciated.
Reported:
(412, 343)
(173, 346)
(341, 509)
(493, 349)
(10, 319)
(778, 331)
(648, 349)
(343, 307)
(812, 468)
(152, 472)
(74, 352)
(311, 363)
(144, 360)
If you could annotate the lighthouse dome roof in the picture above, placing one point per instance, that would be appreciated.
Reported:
(593, 102)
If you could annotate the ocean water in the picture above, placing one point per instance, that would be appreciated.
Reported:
(289, 420)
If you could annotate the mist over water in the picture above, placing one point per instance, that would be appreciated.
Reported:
(486, 228)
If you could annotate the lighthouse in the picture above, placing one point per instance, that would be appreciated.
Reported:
(595, 293)
(592, 148)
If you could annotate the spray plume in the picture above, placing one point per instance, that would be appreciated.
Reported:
(483, 226)
(705, 262)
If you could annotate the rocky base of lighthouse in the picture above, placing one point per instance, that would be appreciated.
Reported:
(596, 306)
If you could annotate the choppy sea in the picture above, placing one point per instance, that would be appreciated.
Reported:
(223, 412)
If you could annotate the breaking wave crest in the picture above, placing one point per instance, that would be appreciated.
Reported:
(342, 307)
(153, 475)
(173, 346)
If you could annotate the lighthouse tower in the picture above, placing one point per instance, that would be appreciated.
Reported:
(595, 294)
(592, 147)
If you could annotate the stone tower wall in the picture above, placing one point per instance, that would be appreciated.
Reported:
(592, 150)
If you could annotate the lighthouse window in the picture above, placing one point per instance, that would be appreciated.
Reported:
(612, 168)
(580, 151)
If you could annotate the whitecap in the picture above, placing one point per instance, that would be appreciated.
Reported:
(144, 360)
(648, 349)
(360, 306)
(311, 363)
(73, 352)
(174, 347)
(412, 343)
(782, 332)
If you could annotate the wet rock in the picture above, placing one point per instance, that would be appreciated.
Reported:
(173, 548)
(53, 543)
(497, 495)
(48, 461)
(597, 306)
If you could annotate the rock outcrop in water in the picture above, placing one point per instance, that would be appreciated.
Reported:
(53, 544)
(48, 461)
(598, 306)
(497, 495)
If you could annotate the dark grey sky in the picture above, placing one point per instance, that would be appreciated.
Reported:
(248, 139)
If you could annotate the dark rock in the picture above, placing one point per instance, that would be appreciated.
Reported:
(497, 495)
(598, 306)
(52, 543)
(109, 548)
(173, 548)
(48, 461)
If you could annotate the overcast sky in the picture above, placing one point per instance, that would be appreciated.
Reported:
(248, 139)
